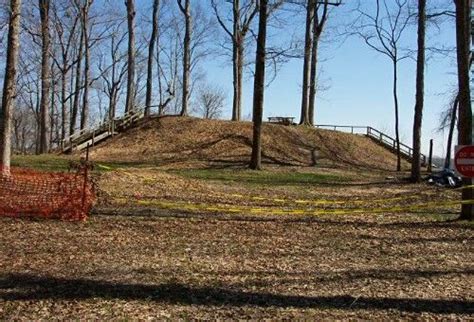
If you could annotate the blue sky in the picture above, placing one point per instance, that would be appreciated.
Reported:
(359, 79)
(360, 90)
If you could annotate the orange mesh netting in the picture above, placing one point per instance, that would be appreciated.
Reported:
(67, 196)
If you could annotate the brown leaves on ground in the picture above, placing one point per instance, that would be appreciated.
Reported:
(189, 142)
(148, 187)
(182, 264)
(155, 267)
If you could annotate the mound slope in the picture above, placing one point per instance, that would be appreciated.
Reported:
(178, 142)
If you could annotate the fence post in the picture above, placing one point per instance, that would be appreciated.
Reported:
(86, 174)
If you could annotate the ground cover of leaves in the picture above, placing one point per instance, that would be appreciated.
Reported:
(272, 189)
(177, 142)
(197, 264)
(369, 267)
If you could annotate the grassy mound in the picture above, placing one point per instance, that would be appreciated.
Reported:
(190, 142)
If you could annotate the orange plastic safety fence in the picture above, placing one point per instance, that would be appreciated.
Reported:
(66, 196)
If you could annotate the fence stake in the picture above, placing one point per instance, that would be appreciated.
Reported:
(86, 174)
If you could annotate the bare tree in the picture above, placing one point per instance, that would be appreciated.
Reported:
(316, 18)
(382, 31)
(463, 41)
(44, 6)
(151, 53)
(259, 87)
(23, 130)
(304, 119)
(85, 30)
(9, 86)
(167, 71)
(65, 26)
(420, 84)
(129, 106)
(186, 11)
(448, 121)
(29, 83)
(112, 74)
(210, 102)
(320, 17)
(77, 85)
(242, 17)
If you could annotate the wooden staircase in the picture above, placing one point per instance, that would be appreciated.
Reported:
(90, 137)
(380, 138)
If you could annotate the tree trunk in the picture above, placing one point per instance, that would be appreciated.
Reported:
(9, 86)
(45, 76)
(313, 82)
(52, 112)
(397, 127)
(186, 58)
(129, 103)
(420, 88)
(259, 88)
(38, 117)
(314, 68)
(463, 41)
(240, 73)
(63, 102)
(112, 103)
(85, 98)
(304, 119)
(242, 18)
(237, 52)
(151, 53)
(237, 75)
(77, 86)
(158, 73)
(318, 26)
(452, 124)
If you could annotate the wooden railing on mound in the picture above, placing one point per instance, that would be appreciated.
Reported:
(91, 136)
(379, 137)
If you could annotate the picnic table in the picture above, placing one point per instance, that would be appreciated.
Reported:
(284, 120)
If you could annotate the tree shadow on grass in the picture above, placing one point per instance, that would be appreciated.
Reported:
(326, 220)
(154, 213)
(25, 287)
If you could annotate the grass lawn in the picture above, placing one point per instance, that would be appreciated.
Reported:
(59, 163)
(265, 177)
(44, 162)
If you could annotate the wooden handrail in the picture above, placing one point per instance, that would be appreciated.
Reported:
(378, 136)
(76, 138)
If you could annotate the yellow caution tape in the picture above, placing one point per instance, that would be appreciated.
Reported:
(218, 208)
(104, 166)
(464, 187)
(306, 201)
